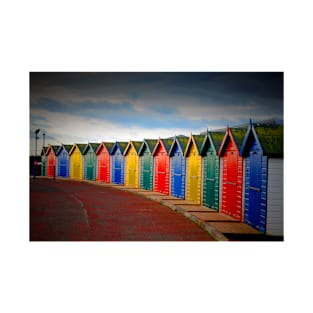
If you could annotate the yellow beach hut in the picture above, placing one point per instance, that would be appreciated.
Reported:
(76, 161)
(132, 164)
(194, 168)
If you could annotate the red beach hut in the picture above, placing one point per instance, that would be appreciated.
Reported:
(232, 172)
(103, 155)
(51, 160)
(162, 165)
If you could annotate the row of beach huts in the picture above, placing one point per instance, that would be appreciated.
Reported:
(237, 171)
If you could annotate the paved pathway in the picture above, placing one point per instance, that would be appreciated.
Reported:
(74, 211)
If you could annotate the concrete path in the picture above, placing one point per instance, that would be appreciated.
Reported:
(218, 226)
(74, 211)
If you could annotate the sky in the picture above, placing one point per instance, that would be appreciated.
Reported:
(81, 107)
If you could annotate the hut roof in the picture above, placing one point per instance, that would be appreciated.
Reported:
(54, 148)
(43, 151)
(181, 141)
(270, 138)
(217, 139)
(108, 146)
(67, 148)
(197, 140)
(166, 143)
(149, 143)
(135, 144)
(236, 134)
(239, 135)
(119, 144)
(93, 146)
(212, 138)
(80, 146)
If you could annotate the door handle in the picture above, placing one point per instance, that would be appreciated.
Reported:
(230, 183)
(193, 176)
(210, 179)
(254, 188)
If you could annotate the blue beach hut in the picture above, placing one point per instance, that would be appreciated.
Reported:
(262, 150)
(118, 162)
(63, 160)
(178, 166)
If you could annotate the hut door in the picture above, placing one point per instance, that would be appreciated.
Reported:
(62, 164)
(105, 167)
(101, 165)
(132, 169)
(62, 168)
(50, 165)
(177, 175)
(161, 171)
(76, 170)
(230, 185)
(89, 163)
(147, 171)
(76, 164)
(193, 176)
(254, 213)
(89, 172)
(209, 176)
(118, 167)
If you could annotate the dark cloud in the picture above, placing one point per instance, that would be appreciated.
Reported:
(265, 89)
(190, 101)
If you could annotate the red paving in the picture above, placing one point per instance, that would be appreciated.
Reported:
(78, 211)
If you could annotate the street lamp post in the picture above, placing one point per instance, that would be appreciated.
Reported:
(36, 133)
(36, 162)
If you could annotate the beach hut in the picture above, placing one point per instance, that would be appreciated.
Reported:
(162, 165)
(76, 161)
(211, 169)
(194, 168)
(118, 162)
(103, 163)
(63, 160)
(146, 163)
(262, 150)
(232, 172)
(52, 160)
(132, 164)
(90, 161)
(43, 161)
(178, 166)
